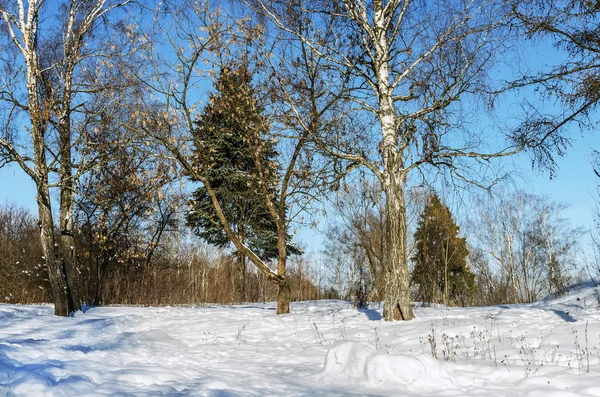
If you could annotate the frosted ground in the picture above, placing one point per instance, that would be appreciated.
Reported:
(325, 348)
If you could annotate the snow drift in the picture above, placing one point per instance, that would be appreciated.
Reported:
(360, 362)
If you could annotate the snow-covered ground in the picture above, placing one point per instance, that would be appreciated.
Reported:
(326, 348)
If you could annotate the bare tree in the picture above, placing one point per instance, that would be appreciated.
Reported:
(357, 232)
(406, 66)
(124, 209)
(49, 56)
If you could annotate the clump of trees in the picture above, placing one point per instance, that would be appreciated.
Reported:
(403, 70)
(54, 61)
(515, 247)
(524, 247)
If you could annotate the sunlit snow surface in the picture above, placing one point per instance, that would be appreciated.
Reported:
(325, 348)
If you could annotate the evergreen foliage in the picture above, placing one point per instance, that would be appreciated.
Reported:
(240, 163)
(441, 273)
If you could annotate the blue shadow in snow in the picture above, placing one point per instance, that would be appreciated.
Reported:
(564, 315)
(251, 307)
(27, 341)
(80, 348)
(13, 372)
(371, 314)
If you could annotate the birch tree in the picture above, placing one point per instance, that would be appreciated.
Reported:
(530, 245)
(410, 65)
(52, 60)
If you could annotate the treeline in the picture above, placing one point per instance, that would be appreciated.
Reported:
(181, 272)
(113, 108)
(512, 249)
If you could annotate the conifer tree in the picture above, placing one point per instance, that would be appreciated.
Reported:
(232, 129)
(441, 273)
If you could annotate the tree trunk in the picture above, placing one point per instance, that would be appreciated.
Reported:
(397, 304)
(63, 304)
(283, 297)
(240, 285)
(397, 295)
(66, 248)
(67, 202)
(56, 275)
(284, 294)
(446, 283)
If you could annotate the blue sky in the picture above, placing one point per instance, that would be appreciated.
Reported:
(575, 182)
(17, 188)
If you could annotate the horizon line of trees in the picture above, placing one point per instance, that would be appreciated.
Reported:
(520, 249)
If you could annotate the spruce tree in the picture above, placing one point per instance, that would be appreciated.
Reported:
(232, 129)
(441, 273)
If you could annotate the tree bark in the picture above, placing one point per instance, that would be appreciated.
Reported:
(56, 274)
(240, 287)
(397, 304)
(283, 297)
(284, 294)
(67, 202)
(397, 295)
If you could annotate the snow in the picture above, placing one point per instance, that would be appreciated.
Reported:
(328, 348)
(348, 359)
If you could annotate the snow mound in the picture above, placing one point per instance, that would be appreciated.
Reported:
(348, 358)
(361, 362)
(421, 371)
(159, 338)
